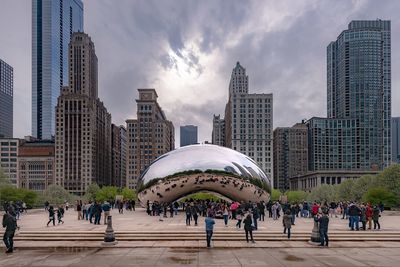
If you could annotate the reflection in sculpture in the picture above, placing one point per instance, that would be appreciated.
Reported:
(210, 168)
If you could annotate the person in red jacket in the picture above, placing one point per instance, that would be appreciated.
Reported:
(369, 212)
(315, 209)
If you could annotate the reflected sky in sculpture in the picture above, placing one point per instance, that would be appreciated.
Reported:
(203, 157)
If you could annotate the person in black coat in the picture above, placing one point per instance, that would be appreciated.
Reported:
(51, 216)
(248, 228)
(10, 223)
(323, 221)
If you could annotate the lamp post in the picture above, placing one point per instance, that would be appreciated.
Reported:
(109, 236)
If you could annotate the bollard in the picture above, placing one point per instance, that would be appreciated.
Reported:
(109, 236)
(315, 238)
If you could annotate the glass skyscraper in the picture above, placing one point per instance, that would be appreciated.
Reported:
(6, 100)
(53, 22)
(188, 135)
(357, 133)
(396, 139)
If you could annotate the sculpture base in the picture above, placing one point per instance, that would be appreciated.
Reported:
(112, 243)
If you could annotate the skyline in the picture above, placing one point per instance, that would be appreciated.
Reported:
(166, 49)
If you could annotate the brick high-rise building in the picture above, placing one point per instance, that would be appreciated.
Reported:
(149, 136)
(118, 150)
(83, 125)
(36, 165)
(290, 154)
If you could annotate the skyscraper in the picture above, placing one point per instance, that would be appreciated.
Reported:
(218, 132)
(248, 121)
(118, 150)
(359, 87)
(149, 136)
(396, 139)
(355, 139)
(53, 22)
(6, 100)
(290, 154)
(188, 135)
(83, 125)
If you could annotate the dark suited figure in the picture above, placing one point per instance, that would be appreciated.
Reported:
(51, 216)
(10, 223)
(323, 228)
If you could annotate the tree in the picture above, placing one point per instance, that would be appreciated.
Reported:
(129, 194)
(380, 194)
(323, 193)
(345, 190)
(10, 193)
(91, 191)
(106, 193)
(296, 196)
(56, 195)
(275, 194)
(362, 185)
(390, 179)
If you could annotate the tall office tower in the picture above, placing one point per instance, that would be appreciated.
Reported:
(359, 88)
(53, 22)
(6, 100)
(118, 150)
(149, 136)
(396, 139)
(248, 121)
(36, 165)
(290, 154)
(188, 135)
(218, 131)
(9, 158)
(83, 125)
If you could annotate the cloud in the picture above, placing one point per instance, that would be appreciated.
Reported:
(186, 50)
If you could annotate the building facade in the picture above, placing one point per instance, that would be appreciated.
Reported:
(118, 150)
(149, 136)
(9, 158)
(396, 139)
(249, 121)
(83, 125)
(290, 154)
(218, 131)
(6, 100)
(359, 87)
(53, 22)
(36, 168)
(188, 135)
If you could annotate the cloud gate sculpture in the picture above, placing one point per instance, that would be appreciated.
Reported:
(196, 168)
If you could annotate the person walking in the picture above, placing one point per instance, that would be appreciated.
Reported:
(195, 214)
(239, 218)
(106, 208)
(209, 228)
(60, 214)
(97, 212)
(323, 221)
(10, 223)
(225, 214)
(51, 216)
(287, 223)
(375, 217)
(248, 228)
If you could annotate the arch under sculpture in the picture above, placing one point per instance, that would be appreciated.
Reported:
(210, 168)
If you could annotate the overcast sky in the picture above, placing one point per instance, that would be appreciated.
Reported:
(186, 51)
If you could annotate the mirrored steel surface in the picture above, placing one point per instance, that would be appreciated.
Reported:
(203, 157)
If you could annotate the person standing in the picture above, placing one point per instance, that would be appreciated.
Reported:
(369, 212)
(287, 223)
(363, 217)
(375, 217)
(248, 228)
(10, 223)
(51, 216)
(209, 228)
(239, 218)
(106, 208)
(79, 210)
(188, 215)
(256, 215)
(323, 228)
